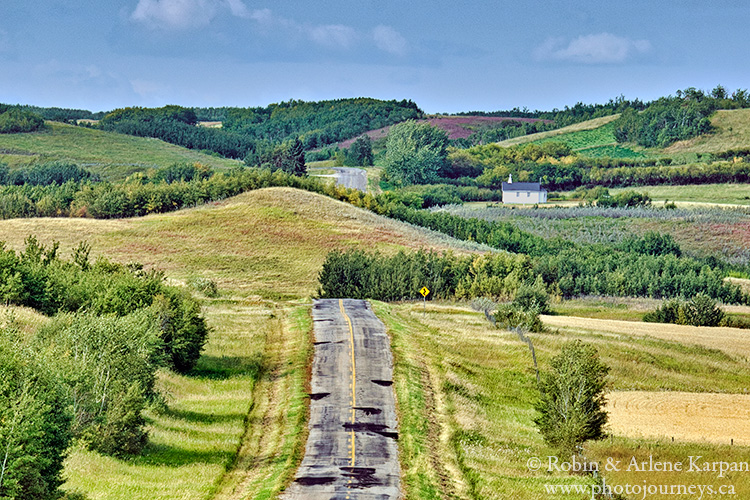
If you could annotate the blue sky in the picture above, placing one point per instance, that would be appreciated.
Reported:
(445, 56)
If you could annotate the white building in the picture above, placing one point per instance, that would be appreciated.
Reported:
(525, 193)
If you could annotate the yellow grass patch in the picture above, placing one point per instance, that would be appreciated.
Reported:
(26, 318)
(732, 341)
(684, 416)
(732, 132)
(273, 239)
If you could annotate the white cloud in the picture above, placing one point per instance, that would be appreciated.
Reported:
(147, 88)
(389, 40)
(602, 48)
(332, 35)
(182, 14)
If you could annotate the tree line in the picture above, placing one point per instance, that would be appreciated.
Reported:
(89, 372)
(676, 118)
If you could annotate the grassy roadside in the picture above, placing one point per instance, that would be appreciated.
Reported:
(465, 397)
(460, 436)
(200, 446)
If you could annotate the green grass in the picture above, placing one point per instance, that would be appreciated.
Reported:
(195, 440)
(113, 156)
(731, 194)
(465, 396)
(557, 133)
(625, 450)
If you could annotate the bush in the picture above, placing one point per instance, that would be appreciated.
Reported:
(205, 286)
(701, 310)
(533, 298)
(571, 403)
(511, 316)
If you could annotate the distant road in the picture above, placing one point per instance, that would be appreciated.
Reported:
(354, 178)
(351, 451)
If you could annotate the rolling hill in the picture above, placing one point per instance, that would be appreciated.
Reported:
(595, 138)
(111, 155)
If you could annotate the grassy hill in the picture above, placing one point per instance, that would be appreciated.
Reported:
(595, 138)
(264, 248)
(113, 156)
(732, 132)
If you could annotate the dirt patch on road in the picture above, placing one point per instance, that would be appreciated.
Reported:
(684, 416)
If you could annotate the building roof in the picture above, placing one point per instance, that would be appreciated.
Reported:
(523, 186)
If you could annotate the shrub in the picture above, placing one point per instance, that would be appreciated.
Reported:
(205, 286)
(571, 403)
(533, 298)
(34, 423)
(701, 310)
(510, 316)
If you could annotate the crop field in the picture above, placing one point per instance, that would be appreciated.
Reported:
(731, 341)
(702, 231)
(697, 195)
(685, 416)
(589, 125)
(113, 156)
(460, 430)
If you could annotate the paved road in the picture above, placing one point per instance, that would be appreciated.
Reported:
(351, 452)
(350, 177)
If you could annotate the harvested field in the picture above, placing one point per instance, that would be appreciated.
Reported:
(684, 416)
(732, 341)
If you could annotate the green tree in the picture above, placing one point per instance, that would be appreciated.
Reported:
(360, 152)
(415, 152)
(34, 423)
(572, 398)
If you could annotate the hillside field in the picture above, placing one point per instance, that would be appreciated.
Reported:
(113, 156)
(465, 390)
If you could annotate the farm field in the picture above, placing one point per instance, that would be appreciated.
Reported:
(702, 231)
(685, 416)
(450, 364)
(113, 156)
(696, 195)
(731, 341)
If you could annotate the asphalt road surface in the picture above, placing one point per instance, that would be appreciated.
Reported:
(350, 177)
(351, 451)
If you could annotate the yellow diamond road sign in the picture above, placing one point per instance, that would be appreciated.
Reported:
(424, 291)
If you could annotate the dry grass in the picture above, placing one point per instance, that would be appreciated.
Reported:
(270, 242)
(733, 341)
(26, 319)
(577, 127)
(684, 416)
(732, 132)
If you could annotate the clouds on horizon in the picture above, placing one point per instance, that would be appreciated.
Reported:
(179, 15)
(600, 48)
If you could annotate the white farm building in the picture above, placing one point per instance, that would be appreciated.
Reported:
(523, 192)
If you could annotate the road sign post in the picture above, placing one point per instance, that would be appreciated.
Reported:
(424, 291)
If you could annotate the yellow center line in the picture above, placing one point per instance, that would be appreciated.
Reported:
(354, 375)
